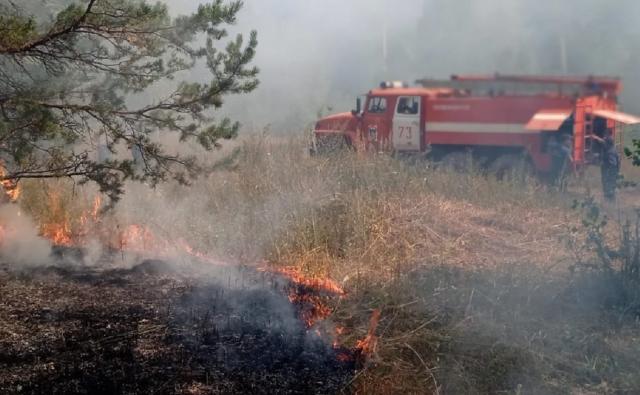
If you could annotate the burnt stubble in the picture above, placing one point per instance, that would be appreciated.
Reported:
(155, 328)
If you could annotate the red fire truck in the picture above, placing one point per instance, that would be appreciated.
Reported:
(497, 120)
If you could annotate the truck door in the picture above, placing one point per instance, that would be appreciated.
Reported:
(376, 124)
(406, 135)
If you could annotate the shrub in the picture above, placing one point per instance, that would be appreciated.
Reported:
(612, 272)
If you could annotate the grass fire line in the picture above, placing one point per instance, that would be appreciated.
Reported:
(307, 292)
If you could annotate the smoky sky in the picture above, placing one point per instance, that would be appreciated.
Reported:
(317, 55)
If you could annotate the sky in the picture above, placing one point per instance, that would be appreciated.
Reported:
(316, 56)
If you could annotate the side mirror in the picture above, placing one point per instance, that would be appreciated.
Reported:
(358, 109)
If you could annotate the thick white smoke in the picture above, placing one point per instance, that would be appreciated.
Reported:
(20, 244)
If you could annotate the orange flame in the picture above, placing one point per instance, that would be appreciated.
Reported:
(310, 293)
(61, 231)
(367, 346)
(59, 234)
(97, 204)
(92, 216)
(296, 276)
(11, 187)
(314, 308)
(12, 190)
(137, 238)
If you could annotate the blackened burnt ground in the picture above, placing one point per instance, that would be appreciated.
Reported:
(152, 329)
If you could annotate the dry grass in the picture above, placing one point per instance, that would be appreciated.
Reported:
(471, 275)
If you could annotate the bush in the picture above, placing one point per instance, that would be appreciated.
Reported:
(612, 271)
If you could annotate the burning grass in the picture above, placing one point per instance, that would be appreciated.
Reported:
(430, 281)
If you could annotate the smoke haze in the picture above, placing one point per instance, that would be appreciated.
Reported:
(21, 245)
(318, 54)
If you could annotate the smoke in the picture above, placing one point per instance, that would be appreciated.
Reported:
(319, 54)
(19, 241)
(229, 215)
(316, 56)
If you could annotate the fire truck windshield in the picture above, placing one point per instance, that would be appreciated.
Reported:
(377, 105)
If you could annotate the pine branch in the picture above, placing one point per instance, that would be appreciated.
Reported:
(51, 36)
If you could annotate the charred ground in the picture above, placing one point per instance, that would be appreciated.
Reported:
(150, 329)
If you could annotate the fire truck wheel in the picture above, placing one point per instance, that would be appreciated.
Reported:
(512, 167)
(459, 161)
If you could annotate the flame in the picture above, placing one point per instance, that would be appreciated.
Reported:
(141, 239)
(59, 234)
(97, 204)
(297, 277)
(367, 346)
(304, 293)
(11, 187)
(136, 238)
(89, 219)
(183, 246)
(60, 230)
(310, 294)
(313, 308)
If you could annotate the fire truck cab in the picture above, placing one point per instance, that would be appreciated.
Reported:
(494, 119)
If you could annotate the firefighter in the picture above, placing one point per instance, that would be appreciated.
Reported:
(609, 165)
(403, 107)
(561, 160)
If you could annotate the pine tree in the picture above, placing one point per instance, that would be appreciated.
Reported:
(66, 79)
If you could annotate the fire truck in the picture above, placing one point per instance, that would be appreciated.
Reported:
(498, 121)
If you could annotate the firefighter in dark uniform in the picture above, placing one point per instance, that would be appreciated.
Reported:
(609, 165)
(561, 160)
